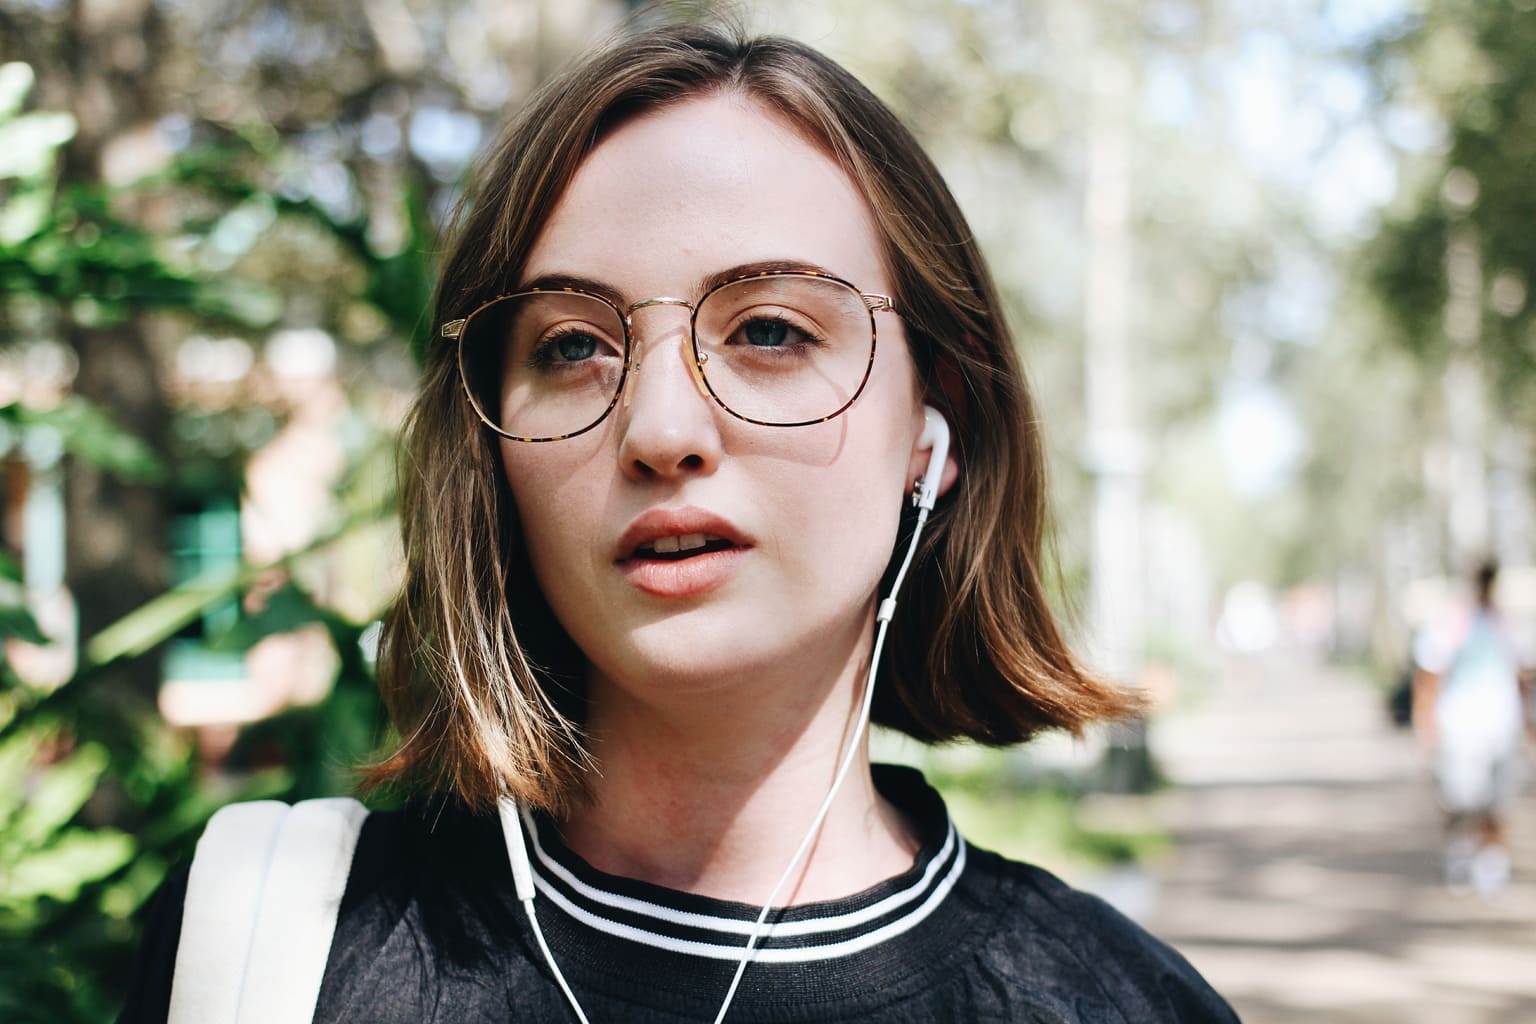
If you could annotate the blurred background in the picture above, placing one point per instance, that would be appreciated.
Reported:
(1269, 262)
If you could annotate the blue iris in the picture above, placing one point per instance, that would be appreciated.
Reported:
(767, 333)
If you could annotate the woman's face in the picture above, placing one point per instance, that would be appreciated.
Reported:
(800, 521)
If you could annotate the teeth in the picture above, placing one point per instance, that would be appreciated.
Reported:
(672, 545)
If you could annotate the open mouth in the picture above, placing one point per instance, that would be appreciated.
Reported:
(676, 549)
(680, 554)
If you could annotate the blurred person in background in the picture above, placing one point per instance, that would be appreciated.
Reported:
(1468, 713)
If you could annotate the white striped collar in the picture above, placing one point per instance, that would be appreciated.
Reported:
(697, 926)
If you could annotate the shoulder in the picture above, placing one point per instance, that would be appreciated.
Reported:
(428, 898)
(264, 873)
(1035, 945)
(1069, 944)
(422, 897)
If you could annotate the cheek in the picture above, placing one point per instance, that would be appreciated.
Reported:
(849, 512)
(546, 496)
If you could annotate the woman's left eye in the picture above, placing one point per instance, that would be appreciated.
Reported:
(771, 332)
(766, 333)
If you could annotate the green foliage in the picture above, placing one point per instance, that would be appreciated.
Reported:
(44, 854)
(1473, 64)
(99, 797)
(28, 143)
(72, 885)
(88, 434)
(72, 248)
(1042, 821)
(16, 620)
(65, 881)
(1406, 266)
(398, 284)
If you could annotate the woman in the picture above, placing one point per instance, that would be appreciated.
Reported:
(657, 484)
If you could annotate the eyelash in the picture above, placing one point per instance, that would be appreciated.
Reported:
(811, 338)
(539, 358)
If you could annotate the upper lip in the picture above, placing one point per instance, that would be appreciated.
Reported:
(675, 522)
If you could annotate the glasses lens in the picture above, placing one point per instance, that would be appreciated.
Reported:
(543, 365)
(785, 349)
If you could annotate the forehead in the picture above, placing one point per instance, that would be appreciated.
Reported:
(700, 186)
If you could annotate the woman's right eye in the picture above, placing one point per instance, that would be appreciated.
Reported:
(575, 347)
(566, 347)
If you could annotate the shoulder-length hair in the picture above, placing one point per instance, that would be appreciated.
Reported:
(480, 680)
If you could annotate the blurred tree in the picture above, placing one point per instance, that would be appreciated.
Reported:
(1472, 67)
(114, 560)
(245, 184)
(251, 171)
(363, 114)
(1452, 267)
(70, 882)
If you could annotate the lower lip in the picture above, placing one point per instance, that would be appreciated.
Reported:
(686, 577)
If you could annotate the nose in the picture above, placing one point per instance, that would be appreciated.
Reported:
(668, 426)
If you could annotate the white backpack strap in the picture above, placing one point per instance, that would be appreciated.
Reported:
(297, 920)
(224, 890)
(262, 897)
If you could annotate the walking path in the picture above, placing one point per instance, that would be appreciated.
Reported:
(1305, 878)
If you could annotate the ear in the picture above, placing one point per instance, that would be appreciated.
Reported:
(933, 440)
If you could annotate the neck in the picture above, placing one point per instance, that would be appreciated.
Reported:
(713, 796)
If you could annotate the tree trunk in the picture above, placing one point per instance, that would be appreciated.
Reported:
(116, 530)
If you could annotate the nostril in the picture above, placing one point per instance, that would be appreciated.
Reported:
(648, 470)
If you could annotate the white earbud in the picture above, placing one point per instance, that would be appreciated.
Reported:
(935, 437)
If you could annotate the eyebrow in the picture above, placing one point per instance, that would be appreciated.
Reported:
(575, 282)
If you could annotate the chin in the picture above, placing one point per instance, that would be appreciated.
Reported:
(714, 649)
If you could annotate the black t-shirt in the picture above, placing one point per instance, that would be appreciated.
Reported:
(429, 930)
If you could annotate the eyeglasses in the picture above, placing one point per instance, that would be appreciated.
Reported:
(779, 349)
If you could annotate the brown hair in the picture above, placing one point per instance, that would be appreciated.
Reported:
(480, 680)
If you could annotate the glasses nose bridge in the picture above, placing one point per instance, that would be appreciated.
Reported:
(696, 371)
(659, 300)
(639, 304)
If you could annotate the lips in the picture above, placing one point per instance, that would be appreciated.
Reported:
(680, 552)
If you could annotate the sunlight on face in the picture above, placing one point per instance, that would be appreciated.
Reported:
(682, 548)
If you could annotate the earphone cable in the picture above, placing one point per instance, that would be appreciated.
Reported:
(883, 617)
(549, 958)
(518, 852)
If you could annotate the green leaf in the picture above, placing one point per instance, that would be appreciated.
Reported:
(18, 752)
(123, 898)
(15, 617)
(28, 143)
(89, 434)
(242, 302)
(16, 622)
(284, 611)
(78, 858)
(25, 214)
(151, 623)
(58, 797)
